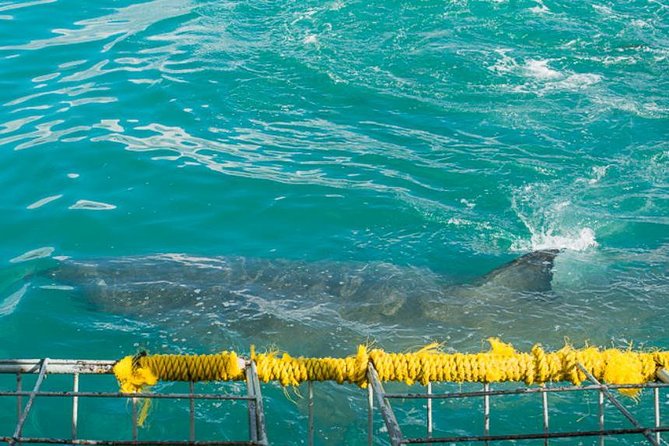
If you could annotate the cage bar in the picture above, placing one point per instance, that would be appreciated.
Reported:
(394, 431)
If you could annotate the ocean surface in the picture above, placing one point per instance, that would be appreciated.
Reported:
(441, 137)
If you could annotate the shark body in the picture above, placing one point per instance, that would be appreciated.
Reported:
(155, 285)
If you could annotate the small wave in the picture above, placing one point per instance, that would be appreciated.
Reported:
(540, 8)
(576, 81)
(539, 69)
(120, 24)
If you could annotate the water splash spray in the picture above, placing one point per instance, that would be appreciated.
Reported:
(552, 223)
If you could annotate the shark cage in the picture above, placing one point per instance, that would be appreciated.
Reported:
(499, 396)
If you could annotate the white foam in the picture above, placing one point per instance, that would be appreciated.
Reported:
(574, 242)
(469, 204)
(576, 81)
(598, 173)
(539, 69)
(540, 8)
(506, 63)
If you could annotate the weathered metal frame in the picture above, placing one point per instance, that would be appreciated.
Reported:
(256, 418)
(44, 367)
(651, 434)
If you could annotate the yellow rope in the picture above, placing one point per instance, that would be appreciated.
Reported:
(134, 373)
(501, 363)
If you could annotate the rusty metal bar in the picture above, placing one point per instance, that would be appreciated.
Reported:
(134, 419)
(75, 405)
(386, 409)
(57, 366)
(544, 406)
(370, 415)
(191, 410)
(656, 401)
(251, 407)
(19, 396)
(429, 410)
(310, 404)
(486, 411)
(260, 412)
(26, 411)
(600, 401)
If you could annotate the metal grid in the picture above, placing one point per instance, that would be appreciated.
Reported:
(40, 369)
(75, 368)
(651, 434)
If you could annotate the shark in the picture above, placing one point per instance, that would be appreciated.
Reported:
(156, 284)
(206, 302)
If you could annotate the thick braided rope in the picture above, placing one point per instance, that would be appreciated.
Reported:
(292, 371)
(500, 363)
(135, 373)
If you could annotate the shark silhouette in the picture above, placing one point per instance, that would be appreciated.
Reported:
(155, 285)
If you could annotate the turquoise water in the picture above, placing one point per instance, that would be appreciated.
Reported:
(451, 136)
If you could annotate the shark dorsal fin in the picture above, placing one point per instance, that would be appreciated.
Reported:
(532, 272)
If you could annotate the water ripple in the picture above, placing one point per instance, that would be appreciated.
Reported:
(123, 23)
(440, 128)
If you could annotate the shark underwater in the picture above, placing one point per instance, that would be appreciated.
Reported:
(228, 288)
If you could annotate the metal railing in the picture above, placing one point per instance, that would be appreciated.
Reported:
(651, 433)
(76, 368)
(39, 369)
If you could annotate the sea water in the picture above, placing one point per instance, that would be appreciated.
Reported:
(451, 135)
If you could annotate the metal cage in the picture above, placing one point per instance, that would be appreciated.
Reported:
(25, 400)
(651, 433)
(251, 399)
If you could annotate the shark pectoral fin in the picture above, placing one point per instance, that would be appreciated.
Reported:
(9, 304)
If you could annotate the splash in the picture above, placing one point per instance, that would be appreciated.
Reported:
(553, 222)
(575, 242)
